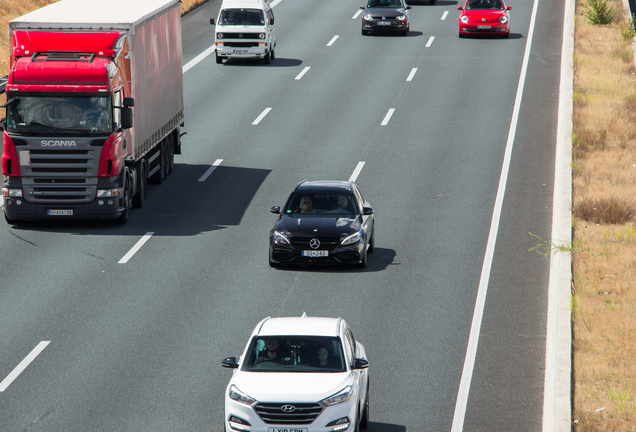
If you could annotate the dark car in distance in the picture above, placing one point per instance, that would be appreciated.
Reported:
(322, 222)
(385, 16)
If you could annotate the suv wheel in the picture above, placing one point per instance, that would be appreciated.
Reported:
(364, 421)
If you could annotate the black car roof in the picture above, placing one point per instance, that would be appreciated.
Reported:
(322, 185)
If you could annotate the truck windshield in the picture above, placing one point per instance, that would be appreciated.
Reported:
(242, 17)
(60, 115)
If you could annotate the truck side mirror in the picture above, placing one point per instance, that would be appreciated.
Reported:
(211, 21)
(126, 118)
(3, 123)
(129, 102)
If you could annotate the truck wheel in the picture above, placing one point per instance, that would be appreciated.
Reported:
(142, 184)
(9, 220)
(123, 218)
(170, 154)
(160, 175)
(267, 58)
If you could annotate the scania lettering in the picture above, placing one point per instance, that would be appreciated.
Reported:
(79, 73)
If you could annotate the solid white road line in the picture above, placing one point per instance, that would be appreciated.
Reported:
(475, 327)
(210, 170)
(136, 247)
(444, 15)
(357, 14)
(411, 75)
(430, 41)
(1, 201)
(23, 365)
(304, 71)
(333, 39)
(192, 63)
(260, 117)
(356, 172)
(387, 117)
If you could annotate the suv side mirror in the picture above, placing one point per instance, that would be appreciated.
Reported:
(126, 118)
(229, 362)
(360, 364)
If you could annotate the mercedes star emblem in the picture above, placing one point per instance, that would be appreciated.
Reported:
(314, 243)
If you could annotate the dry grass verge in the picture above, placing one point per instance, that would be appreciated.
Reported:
(604, 199)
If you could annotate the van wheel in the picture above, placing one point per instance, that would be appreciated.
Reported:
(219, 60)
(266, 59)
(273, 56)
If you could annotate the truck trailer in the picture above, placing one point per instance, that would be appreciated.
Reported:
(94, 107)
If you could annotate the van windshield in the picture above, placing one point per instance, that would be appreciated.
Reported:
(242, 17)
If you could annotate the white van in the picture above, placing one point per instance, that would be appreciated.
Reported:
(245, 28)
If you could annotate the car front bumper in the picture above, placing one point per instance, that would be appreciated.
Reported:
(291, 254)
(494, 28)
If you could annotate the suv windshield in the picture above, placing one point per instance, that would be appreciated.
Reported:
(60, 115)
(338, 203)
(294, 354)
(242, 17)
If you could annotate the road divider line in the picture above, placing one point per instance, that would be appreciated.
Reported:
(260, 117)
(333, 39)
(475, 327)
(411, 75)
(444, 15)
(136, 248)
(304, 71)
(357, 14)
(356, 172)
(23, 365)
(387, 117)
(430, 41)
(1, 201)
(210, 170)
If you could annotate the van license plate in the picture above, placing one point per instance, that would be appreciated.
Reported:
(59, 212)
(244, 51)
(284, 429)
(315, 253)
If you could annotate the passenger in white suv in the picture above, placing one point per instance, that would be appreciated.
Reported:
(322, 384)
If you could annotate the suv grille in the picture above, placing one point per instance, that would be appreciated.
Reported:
(303, 413)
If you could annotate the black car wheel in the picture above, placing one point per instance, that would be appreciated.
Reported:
(372, 242)
(273, 264)
(363, 262)
(365, 32)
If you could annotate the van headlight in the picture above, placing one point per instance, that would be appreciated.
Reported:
(219, 35)
(342, 396)
(261, 35)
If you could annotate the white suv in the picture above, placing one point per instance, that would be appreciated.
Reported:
(299, 374)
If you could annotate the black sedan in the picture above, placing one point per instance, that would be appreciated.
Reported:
(322, 222)
(386, 15)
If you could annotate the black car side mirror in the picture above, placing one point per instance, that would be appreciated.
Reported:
(361, 7)
(360, 364)
(229, 362)
(367, 211)
(408, 7)
(275, 209)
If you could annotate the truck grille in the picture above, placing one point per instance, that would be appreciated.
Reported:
(302, 414)
(60, 176)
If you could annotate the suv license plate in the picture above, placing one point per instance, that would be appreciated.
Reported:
(314, 253)
(287, 430)
(59, 212)
(238, 51)
(384, 23)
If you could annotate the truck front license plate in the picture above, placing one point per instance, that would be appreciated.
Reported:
(59, 212)
(287, 430)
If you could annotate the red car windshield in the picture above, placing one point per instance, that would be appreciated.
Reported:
(485, 4)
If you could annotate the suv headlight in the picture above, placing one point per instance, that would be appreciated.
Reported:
(281, 238)
(342, 396)
(238, 396)
(352, 239)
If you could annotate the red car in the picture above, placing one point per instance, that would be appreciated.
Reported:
(484, 17)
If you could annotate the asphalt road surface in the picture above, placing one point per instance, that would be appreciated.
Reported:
(135, 344)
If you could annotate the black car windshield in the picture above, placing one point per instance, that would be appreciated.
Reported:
(485, 4)
(60, 115)
(390, 4)
(294, 354)
(330, 202)
(242, 17)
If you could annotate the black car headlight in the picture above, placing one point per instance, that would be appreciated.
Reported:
(367, 16)
(352, 239)
(401, 18)
(281, 238)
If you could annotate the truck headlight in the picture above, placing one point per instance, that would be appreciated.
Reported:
(12, 193)
(108, 193)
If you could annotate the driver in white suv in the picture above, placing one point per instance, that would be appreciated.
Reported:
(300, 374)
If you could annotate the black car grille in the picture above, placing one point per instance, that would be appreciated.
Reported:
(302, 414)
(241, 44)
(325, 243)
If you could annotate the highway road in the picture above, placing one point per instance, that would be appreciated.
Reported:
(130, 338)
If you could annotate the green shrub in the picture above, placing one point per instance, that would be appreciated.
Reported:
(598, 12)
